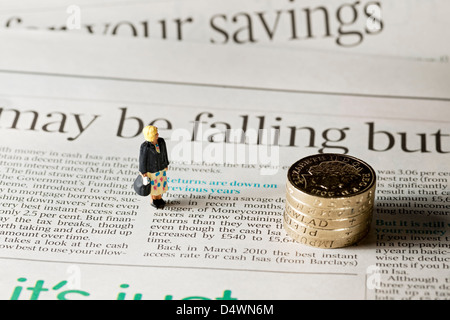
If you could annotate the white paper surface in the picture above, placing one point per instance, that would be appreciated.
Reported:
(69, 156)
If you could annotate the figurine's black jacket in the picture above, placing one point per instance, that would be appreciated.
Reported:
(150, 160)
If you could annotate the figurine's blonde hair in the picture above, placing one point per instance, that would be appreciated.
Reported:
(150, 133)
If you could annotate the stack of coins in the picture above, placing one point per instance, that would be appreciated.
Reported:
(329, 200)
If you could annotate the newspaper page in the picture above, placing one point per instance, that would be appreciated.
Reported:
(401, 29)
(72, 227)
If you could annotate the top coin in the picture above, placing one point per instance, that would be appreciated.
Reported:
(331, 176)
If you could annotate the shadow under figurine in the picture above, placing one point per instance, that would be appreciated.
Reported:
(153, 163)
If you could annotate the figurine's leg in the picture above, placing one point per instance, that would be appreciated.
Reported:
(154, 202)
(157, 202)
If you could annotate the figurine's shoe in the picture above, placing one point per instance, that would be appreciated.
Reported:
(158, 203)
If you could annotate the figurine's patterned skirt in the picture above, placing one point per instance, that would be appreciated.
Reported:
(158, 181)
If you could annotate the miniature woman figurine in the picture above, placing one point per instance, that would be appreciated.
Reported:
(153, 163)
